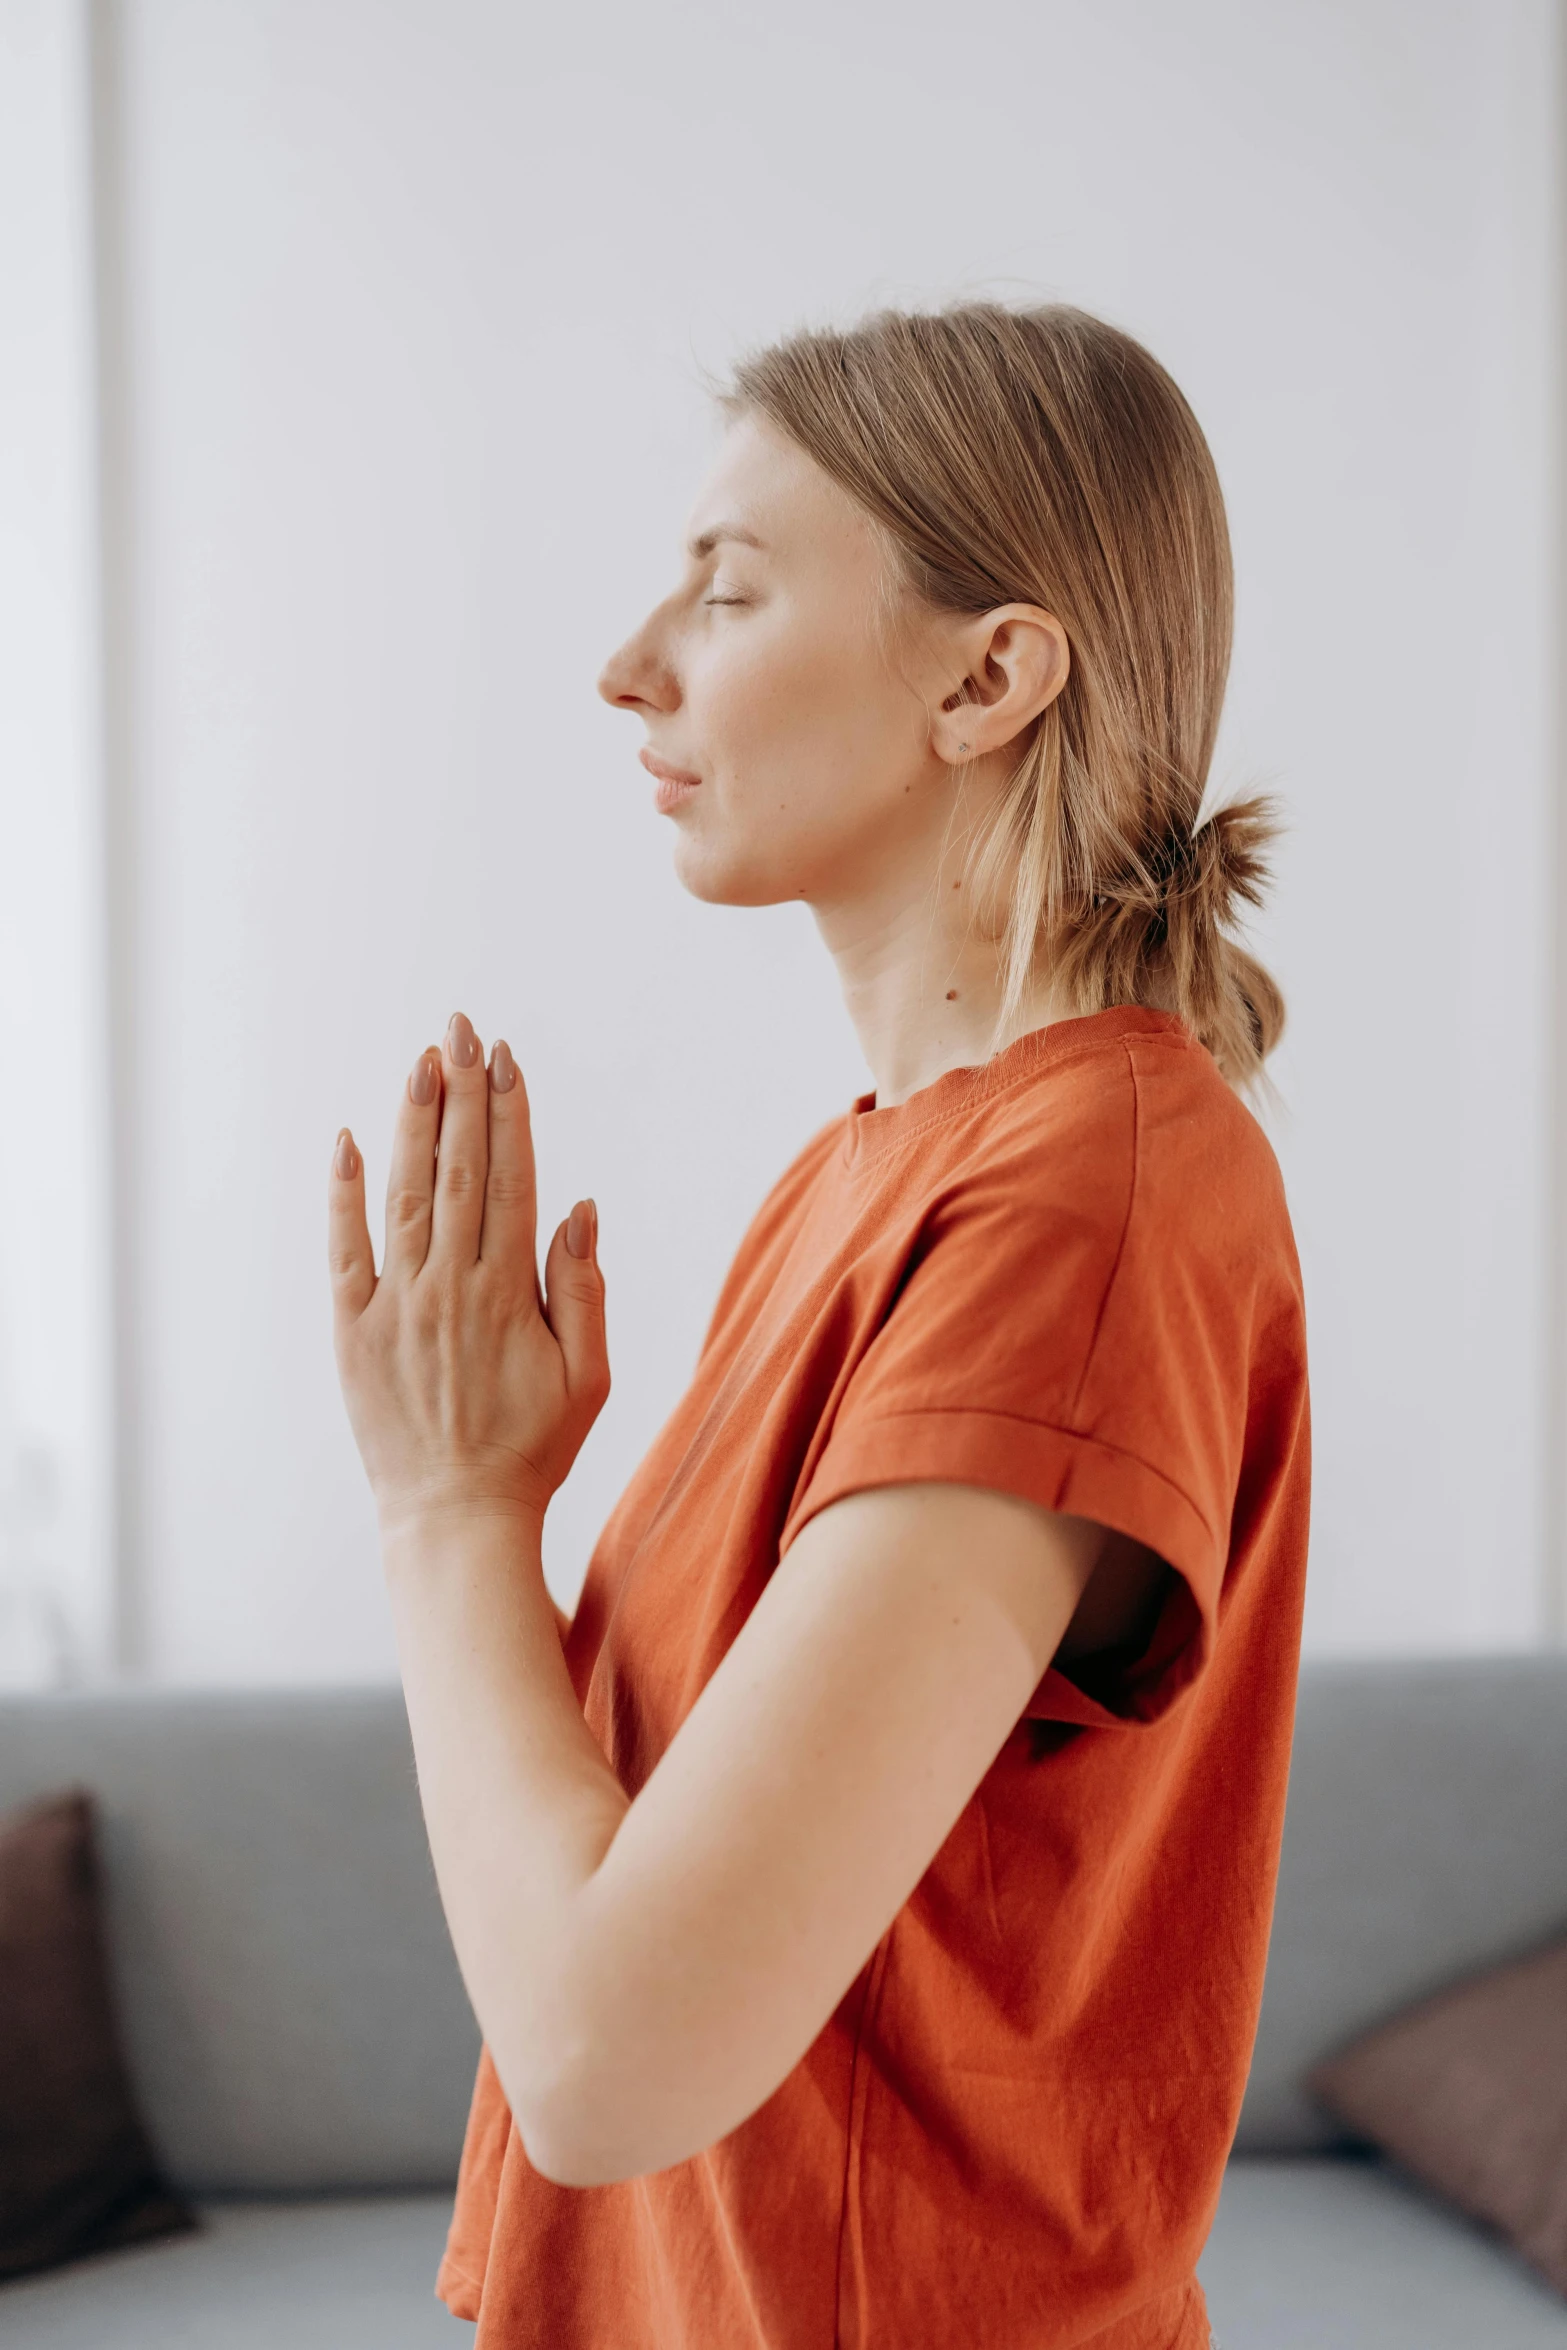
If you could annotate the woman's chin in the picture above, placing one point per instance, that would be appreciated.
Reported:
(725, 878)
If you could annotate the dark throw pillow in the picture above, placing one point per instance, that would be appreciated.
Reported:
(76, 2172)
(1469, 2092)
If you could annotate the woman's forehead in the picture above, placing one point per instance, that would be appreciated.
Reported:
(764, 492)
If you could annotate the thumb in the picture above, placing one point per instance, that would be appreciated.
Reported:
(574, 1305)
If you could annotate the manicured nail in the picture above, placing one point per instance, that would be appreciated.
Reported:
(421, 1085)
(346, 1162)
(579, 1229)
(461, 1042)
(503, 1069)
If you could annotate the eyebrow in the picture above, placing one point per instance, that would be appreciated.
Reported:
(701, 547)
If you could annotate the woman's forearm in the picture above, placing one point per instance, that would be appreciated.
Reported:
(520, 1804)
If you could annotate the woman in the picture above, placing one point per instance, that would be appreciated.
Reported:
(864, 1897)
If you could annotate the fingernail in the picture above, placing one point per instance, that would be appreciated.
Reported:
(346, 1161)
(461, 1042)
(503, 1069)
(421, 1085)
(579, 1229)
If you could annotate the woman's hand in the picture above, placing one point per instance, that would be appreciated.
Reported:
(468, 1389)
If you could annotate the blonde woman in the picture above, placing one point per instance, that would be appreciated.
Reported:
(864, 1897)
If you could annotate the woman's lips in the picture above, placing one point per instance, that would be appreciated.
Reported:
(675, 784)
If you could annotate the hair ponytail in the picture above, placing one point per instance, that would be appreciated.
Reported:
(1161, 930)
(1234, 1004)
(1040, 456)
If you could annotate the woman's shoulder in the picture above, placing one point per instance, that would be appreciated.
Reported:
(1126, 1099)
(1128, 1157)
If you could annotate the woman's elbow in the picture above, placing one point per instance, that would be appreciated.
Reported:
(571, 2139)
(600, 2098)
(602, 2119)
(569, 2162)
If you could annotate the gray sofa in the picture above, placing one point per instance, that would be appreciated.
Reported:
(303, 2048)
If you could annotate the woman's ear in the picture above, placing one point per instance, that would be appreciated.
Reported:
(1014, 661)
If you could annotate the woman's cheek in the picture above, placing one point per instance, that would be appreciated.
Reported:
(786, 732)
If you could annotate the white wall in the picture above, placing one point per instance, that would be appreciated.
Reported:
(56, 1434)
(418, 296)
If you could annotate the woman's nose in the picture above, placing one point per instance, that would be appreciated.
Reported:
(636, 677)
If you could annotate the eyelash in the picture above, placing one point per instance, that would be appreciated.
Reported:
(726, 599)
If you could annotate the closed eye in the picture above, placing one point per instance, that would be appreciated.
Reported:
(726, 599)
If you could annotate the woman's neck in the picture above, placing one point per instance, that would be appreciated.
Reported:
(923, 990)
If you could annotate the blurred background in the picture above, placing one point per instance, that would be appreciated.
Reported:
(353, 388)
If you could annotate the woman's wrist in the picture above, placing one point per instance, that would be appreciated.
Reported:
(431, 1521)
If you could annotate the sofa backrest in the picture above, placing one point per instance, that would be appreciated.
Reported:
(292, 2012)
(294, 2016)
(1426, 1836)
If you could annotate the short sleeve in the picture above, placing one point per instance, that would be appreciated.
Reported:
(1077, 1332)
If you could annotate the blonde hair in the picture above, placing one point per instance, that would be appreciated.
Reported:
(1039, 456)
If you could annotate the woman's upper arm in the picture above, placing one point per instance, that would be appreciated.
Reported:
(798, 1806)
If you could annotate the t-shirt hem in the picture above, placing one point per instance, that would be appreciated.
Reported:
(461, 2292)
(1058, 1468)
(1177, 2320)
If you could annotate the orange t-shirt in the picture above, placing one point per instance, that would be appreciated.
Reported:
(1067, 1274)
